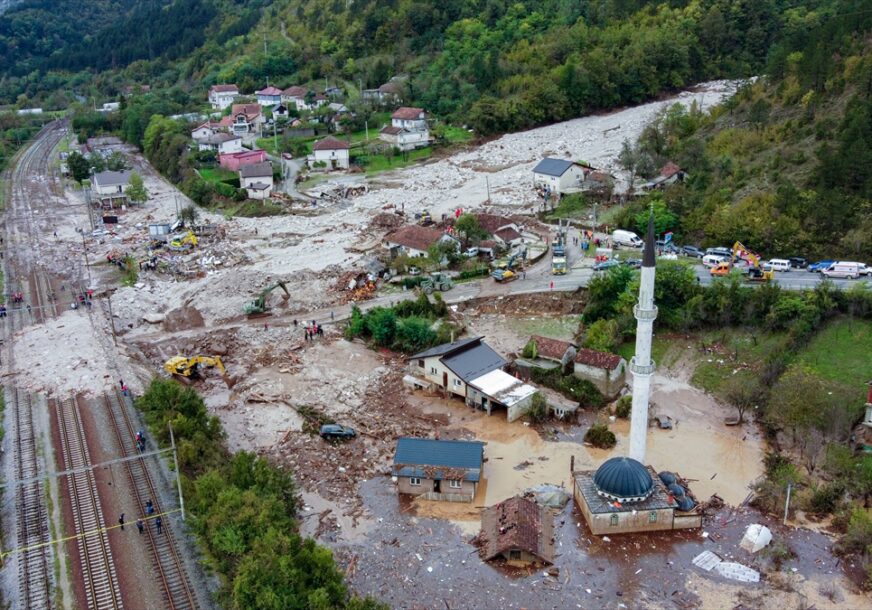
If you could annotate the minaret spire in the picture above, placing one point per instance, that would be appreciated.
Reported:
(641, 365)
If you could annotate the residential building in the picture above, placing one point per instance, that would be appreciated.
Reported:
(518, 532)
(280, 111)
(233, 161)
(110, 188)
(205, 130)
(438, 470)
(244, 118)
(331, 152)
(110, 107)
(414, 240)
(559, 176)
(554, 351)
(222, 143)
(669, 174)
(389, 93)
(408, 129)
(295, 96)
(606, 371)
(508, 237)
(257, 179)
(269, 96)
(494, 222)
(623, 496)
(222, 96)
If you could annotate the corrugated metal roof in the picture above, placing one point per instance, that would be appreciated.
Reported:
(110, 178)
(474, 362)
(436, 459)
(503, 388)
(552, 167)
(445, 348)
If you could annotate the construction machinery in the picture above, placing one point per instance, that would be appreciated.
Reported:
(504, 275)
(437, 281)
(184, 241)
(424, 219)
(756, 274)
(260, 305)
(187, 368)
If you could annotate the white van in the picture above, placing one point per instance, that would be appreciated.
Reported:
(864, 268)
(779, 264)
(627, 238)
(843, 270)
(713, 260)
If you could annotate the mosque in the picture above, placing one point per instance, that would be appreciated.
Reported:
(624, 495)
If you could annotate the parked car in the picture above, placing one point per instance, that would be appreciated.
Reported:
(842, 270)
(779, 264)
(713, 260)
(602, 266)
(635, 263)
(798, 262)
(722, 269)
(335, 431)
(666, 246)
(819, 266)
(720, 251)
(471, 252)
(692, 251)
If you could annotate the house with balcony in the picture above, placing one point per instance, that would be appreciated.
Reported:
(408, 129)
(222, 96)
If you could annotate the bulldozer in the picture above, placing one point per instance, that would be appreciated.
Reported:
(186, 368)
(183, 241)
(260, 305)
(756, 274)
(437, 281)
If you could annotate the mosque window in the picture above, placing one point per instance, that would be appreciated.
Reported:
(652, 516)
(613, 520)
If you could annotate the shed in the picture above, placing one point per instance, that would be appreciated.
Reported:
(606, 371)
(519, 531)
(498, 388)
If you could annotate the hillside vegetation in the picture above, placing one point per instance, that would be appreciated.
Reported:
(785, 167)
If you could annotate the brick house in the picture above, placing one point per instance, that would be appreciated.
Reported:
(414, 240)
(438, 470)
(606, 371)
(517, 531)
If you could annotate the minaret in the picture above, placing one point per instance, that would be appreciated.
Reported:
(641, 365)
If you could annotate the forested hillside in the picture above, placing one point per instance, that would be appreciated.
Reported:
(495, 64)
(785, 166)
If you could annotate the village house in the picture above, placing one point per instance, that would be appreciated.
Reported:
(222, 96)
(408, 129)
(414, 240)
(331, 152)
(390, 93)
(559, 176)
(110, 188)
(280, 111)
(221, 143)
(606, 371)
(494, 222)
(508, 237)
(295, 96)
(598, 182)
(244, 118)
(257, 179)
(269, 96)
(517, 531)
(472, 370)
(438, 470)
(551, 353)
(233, 161)
(669, 174)
(337, 112)
(623, 496)
(205, 130)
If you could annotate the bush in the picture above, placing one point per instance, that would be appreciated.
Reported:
(624, 406)
(381, 324)
(600, 436)
(530, 351)
(858, 537)
(603, 335)
(414, 334)
(825, 498)
(538, 409)
(570, 386)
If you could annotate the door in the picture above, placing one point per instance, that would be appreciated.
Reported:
(445, 380)
(436, 486)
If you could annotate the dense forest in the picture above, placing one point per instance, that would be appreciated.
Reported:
(785, 167)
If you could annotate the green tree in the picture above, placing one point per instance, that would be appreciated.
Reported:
(664, 219)
(189, 214)
(602, 335)
(136, 190)
(381, 323)
(468, 225)
(78, 166)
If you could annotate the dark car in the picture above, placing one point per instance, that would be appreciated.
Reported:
(798, 262)
(635, 263)
(606, 265)
(692, 251)
(819, 266)
(331, 431)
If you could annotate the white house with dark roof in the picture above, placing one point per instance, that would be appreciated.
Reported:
(332, 152)
(408, 129)
(110, 188)
(559, 175)
(257, 179)
(222, 96)
(222, 143)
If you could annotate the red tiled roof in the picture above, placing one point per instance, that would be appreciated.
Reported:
(669, 170)
(391, 130)
(269, 91)
(295, 91)
(487, 243)
(492, 222)
(249, 110)
(408, 114)
(224, 88)
(390, 87)
(507, 234)
(331, 143)
(415, 237)
(517, 524)
(597, 359)
(553, 349)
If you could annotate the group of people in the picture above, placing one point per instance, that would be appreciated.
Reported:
(312, 329)
(83, 299)
(140, 523)
(140, 441)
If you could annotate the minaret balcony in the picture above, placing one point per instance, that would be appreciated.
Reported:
(639, 369)
(645, 314)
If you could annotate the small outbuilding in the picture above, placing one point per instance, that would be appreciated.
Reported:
(605, 370)
(438, 470)
(257, 179)
(517, 531)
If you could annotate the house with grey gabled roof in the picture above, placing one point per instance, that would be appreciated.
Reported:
(559, 176)
(110, 188)
(438, 470)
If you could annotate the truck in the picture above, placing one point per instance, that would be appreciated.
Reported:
(558, 255)
(504, 275)
(627, 238)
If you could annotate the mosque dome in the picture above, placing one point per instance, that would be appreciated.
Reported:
(623, 479)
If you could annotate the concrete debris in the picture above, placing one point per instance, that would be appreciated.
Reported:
(736, 571)
(706, 560)
(756, 538)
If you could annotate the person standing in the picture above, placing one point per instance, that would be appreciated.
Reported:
(140, 526)
(121, 521)
(159, 524)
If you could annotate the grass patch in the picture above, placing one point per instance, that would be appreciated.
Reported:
(559, 327)
(571, 206)
(840, 351)
(250, 208)
(457, 135)
(664, 351)
(735, 353)
(215, 175)
(381, 163)
(311, 181)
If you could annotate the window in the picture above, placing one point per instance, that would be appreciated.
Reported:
(613, 520)
(414, 481)
(421, 363)
(433, 370)
(515, 555)
(455, 483)
(457, 383)
(652, 516)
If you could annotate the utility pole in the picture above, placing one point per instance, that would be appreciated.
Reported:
(275, 137)
(178, 474)
(111, 318)
(787, 502)
(87, 264)
(487, 181)
(366, 127)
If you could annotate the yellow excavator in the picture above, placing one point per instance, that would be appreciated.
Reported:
(185, 368)
(260, 305)
(181, 242)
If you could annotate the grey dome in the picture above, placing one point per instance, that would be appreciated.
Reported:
(623, 479)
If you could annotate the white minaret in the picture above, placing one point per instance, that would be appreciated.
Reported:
(641, 365)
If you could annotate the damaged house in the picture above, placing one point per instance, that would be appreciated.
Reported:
(517, 531)
(438, 470)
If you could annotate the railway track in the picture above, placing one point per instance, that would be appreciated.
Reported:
(98, 570)
(167, 562)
